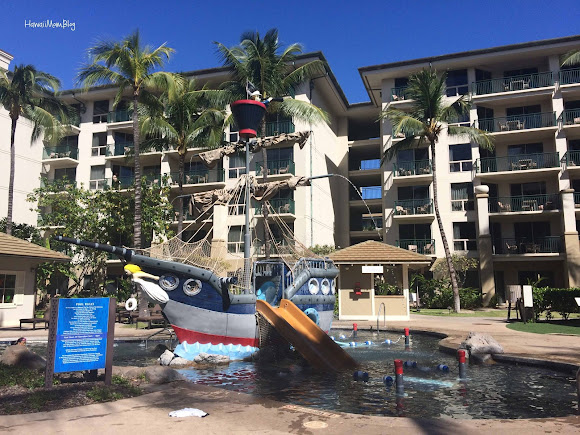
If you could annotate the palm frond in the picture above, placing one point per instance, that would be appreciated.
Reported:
(95, 74)
(304, 111)
(405, 144)
(475, 135)
(304, 72)
(571, 58)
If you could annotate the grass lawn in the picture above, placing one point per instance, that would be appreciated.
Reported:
(464, 313)
(571, 327)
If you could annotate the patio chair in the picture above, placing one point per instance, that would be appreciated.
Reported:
(283, 170)
(412, 248)
(400, 210)
(423, 209)
(511, 248)
(428, 249)
(285, 208)
(503, 207)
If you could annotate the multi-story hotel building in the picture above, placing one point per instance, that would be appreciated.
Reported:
(514, 208)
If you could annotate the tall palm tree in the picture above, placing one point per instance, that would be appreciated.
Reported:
(430, 115)
(269, 67)
(189, 118)
(28, 92)
(131, 67)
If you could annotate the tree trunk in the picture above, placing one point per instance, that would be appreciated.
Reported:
(142, 302)
(11, 182)
(181, 177)
(265, 203)
(452, 273)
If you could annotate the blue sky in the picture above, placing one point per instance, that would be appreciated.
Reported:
(350, 34)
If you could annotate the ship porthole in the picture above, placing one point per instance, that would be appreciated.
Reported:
(313, 315)
(325, 285)
(313, 286)
(333, 286)
(192, 287)
(168, 282)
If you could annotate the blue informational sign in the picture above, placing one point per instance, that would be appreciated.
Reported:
(81, 335)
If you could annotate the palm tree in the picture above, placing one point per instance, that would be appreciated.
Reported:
(270, 68)
(28, 92)
(131, 67)
(190, 118)
(571, 58)
(427, 118)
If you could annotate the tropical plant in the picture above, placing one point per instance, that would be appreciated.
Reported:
(428, 117)
(571, 58)
(190, 117)
(131, 68)
(28, 92)
(263, 64)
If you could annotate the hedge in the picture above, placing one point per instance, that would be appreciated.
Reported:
(560, 300)
(435, 293)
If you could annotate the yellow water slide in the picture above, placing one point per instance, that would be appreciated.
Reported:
(308, 339)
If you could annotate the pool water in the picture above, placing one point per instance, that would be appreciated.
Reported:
(490, 391)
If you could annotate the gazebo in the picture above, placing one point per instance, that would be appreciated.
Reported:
(359, 264)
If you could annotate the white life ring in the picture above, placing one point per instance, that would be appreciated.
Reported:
(131, 304)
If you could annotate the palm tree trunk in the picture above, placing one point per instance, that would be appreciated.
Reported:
(142, 302)
(11, 182)
(265, 203)
(180, 215)
(452, 273)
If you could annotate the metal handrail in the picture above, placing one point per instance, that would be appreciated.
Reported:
(513, 83)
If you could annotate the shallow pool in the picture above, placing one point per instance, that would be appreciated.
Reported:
(491, 391)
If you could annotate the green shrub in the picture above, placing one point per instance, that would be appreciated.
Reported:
(549, 300)
(470, 298)
(437, 293)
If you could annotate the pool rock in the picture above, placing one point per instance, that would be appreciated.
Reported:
(21, 356)
(153, 374)
(209, 359)
(166, 358)
(481, 347)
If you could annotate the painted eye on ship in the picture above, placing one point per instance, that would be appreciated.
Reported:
(192, 287)
(313, 286)
(168, 282)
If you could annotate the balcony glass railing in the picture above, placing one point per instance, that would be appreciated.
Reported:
(547, 245)
(521, 162)
(398, 94)
(517, 122)
(369, 165)
(198, 177)
(275, 128)
(513, 204)
(57, 185)
(119, 116)
(515, 83)
(572, 158)
(570, 117)
(276, 167)
(418, 167)
(60, 152)
(122, 183)
(577, 199)
(367, 224)
(120, 149)
(279, 205)
(371, 192)
(413, 207)
(420, 246)
(569, 76)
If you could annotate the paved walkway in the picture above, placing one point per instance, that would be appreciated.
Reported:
(241, 413)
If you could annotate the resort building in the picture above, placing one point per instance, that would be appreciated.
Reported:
(513, 208)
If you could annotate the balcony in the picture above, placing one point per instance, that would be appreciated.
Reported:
(120, 149)
(370, 192)
(276, 167)
(198, 177)
(61, 156)
(517, 122)
(398, 94)
(511, 84)
(524, 203)
(420, 246)
(572, 159)
(413, 207)
(569, 117)
(236, 247)
(521, 162)
(275, 128)
(59, 185)
(577, 200)
(408, 169)
(569, 76)
(539, 245)
(279, 205)
(119, 116)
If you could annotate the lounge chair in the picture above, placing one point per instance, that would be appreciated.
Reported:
(400, 210)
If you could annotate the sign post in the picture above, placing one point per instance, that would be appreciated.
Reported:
(80, 337)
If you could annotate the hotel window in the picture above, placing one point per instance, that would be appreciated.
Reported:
(462, 197)
(464, 236)
(100, 111)
(7, 288)
(234, 135)
(460, 158)
(99, 147)
(97, 181)
(236, 240)
(237, 165)
(65, 174)
(457, 83)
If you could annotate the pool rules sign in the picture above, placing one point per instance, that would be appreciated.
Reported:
(80, 337)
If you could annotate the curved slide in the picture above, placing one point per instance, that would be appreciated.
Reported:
(308, 339)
